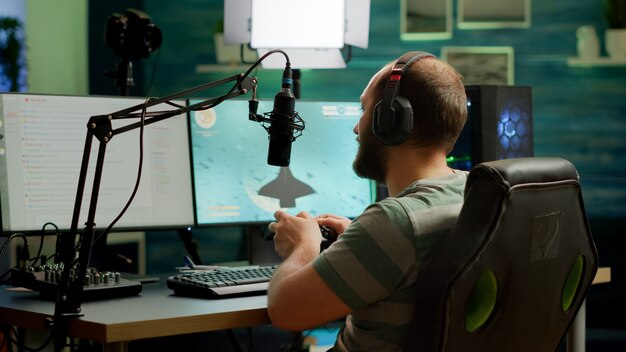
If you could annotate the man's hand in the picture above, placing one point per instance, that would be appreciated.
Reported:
(298, 298)
(339, 224)
(291, 233)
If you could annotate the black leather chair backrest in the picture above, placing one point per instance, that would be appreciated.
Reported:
(516, 266)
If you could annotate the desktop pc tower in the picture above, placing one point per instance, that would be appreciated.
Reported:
(499, 125)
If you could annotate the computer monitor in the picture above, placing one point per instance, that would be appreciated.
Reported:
(499, 126)
(235, 185)
(42, 138)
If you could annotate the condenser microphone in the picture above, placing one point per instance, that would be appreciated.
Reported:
(281, 124)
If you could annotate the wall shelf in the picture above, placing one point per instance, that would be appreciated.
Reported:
(596, 62)
(354, 63)
(211, 68)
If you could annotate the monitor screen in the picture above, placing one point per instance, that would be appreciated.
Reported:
(234, 184)
(42, 138)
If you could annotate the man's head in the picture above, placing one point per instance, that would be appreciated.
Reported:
(436, 94)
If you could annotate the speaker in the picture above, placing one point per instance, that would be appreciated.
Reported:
(499, 126)
(392, 120)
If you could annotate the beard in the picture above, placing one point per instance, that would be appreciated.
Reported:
(371, 158)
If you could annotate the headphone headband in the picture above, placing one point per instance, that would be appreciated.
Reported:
(399, 68)
(393, 116)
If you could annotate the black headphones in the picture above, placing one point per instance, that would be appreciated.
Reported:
(392, 121)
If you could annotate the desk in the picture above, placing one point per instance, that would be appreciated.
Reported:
(603, 276)
(155, 313)
(158, 313)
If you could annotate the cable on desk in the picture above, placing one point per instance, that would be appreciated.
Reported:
(23, 255)
(43, 234)
(6, 243)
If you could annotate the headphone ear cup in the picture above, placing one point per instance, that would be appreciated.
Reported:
(377, 129)
(392, 127)
(403, 116)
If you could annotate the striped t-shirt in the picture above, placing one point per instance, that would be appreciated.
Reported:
(374, 265)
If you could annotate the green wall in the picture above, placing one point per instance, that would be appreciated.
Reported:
(578, 113)
(56, 39)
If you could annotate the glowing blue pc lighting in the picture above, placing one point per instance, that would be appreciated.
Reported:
(512, 130)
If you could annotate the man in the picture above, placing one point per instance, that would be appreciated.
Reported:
(369, 274)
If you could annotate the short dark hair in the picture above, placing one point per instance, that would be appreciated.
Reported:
(437, 95)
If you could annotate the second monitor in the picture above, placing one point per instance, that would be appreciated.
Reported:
(234, 185)
(41, 144)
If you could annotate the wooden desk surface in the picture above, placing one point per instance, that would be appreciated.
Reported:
(603, 276)
(155, 313)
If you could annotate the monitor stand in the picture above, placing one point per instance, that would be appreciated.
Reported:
(191, 245)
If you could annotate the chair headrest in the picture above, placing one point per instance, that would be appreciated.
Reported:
(512, 172)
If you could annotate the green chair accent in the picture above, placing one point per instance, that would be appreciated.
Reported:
(572, 283)
(481, 301)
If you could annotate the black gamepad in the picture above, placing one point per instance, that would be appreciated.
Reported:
(328, 233)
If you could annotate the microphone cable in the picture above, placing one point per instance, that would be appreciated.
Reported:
(4, 247)
(136, 188)
(246, 74)
(154, 71)
(43, 233)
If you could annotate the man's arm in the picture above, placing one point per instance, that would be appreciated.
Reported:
(298, 298)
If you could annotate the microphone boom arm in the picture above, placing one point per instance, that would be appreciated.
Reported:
(70, 285)
(245, 84)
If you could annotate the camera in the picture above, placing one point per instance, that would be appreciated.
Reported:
(132, 35)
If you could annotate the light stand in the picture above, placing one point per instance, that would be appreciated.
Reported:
(70, 286)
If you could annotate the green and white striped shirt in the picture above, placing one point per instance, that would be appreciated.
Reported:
(374, 265)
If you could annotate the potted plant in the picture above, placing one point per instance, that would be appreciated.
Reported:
(615, 35)
(12, 62)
